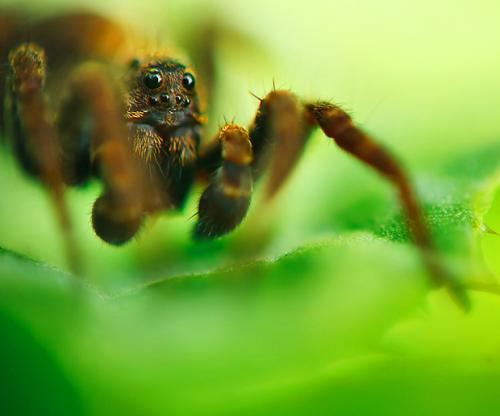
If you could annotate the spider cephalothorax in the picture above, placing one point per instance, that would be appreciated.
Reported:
(163, 110)
(141, 135)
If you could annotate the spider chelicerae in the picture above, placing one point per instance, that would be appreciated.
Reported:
(80, 103)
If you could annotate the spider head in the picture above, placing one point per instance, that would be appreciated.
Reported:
(162, 94)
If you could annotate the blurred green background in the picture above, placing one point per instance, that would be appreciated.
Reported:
(318, 303)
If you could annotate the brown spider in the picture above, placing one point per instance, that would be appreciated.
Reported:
(137, 127)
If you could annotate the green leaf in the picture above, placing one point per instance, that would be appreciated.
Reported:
(32, 380)
(308, 329)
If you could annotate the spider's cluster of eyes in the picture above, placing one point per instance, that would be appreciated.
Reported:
(153, 80)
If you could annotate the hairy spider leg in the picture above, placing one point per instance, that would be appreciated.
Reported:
(279, 133)
(65, 38)
(203, 44)
(33, 135)
(73, 37)
(8, 28)
(338, 125)
(94, 137)
(202, 50)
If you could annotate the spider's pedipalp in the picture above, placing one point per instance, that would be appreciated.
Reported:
(225, 201)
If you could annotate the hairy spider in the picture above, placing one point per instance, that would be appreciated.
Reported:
(136, 124)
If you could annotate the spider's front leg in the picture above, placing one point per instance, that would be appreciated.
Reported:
(94, 137)
(279, 133)
(9, 25)
(32, 134)
(90, 133)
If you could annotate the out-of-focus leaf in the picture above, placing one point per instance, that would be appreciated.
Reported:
(32, 381)
(268, 336)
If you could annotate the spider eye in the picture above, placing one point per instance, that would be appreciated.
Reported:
(188, 81)
(153, 79)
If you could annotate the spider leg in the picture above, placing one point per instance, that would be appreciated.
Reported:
(8, 27)
(94, 137)
(225, 201)
(71, 37)
(203, 50)
(203, 44)
(32, 133)
(279, 133)
(338, 125)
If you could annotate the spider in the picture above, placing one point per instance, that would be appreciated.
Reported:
(136, 124)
